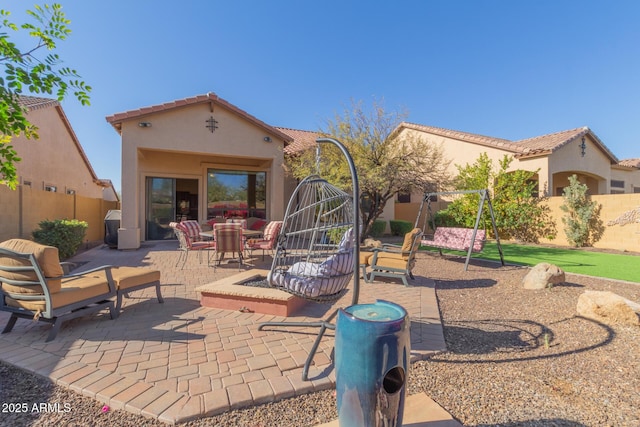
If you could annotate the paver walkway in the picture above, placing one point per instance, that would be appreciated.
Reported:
(179, 361)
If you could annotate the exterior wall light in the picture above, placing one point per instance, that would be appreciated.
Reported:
(267, 139)
(583, 147)
(144, 124)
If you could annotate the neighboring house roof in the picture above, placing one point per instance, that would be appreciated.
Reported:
(473, 138)
(32, 103)
(35, 103)
(630, 163)
(530, 147)
(301, 139)
(116, 119)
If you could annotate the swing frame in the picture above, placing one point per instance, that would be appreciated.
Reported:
(484, 198)
(327, 323)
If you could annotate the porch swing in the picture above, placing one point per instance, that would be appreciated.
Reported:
(461, 239)
(318, 247)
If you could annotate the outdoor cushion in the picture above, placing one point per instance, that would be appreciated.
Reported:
(365, 257)
(129, 277)
(408, 240)
(316, 279)
(73, 289)
(396, 263)
(47, 258)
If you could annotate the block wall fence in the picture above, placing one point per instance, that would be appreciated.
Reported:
(620, 216)
(22, 209)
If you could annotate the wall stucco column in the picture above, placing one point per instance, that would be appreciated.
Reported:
(129, 231)
(277, 204)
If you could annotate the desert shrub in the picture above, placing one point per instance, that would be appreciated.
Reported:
(378, 227)
(582, 224)
(65, 234)
(519, 212)
(399, 227)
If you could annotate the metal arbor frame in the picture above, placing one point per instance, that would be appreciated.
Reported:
(327, 323)
(484, 197)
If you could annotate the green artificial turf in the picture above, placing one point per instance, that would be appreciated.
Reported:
(591, 263)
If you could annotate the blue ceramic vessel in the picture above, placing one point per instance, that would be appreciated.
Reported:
(372, 351)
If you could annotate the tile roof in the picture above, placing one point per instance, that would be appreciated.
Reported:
(631, 163)
(474, 138)
(302, 139)
(550, 142)
(116, 119)
(536, 146)
(36, 103)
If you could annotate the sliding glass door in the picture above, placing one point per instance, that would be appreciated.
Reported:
(161, 202)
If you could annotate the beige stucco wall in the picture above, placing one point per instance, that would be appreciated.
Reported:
(616, 236)
(22, 210)
(614, 206)
(179, 145)
(594, 168)
(53, 159)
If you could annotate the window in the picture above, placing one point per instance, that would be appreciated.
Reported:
(236, 194)
(51, 188)
(404, 197)
(432, 187)
(636, 189)
(26, 183)
(617, 183)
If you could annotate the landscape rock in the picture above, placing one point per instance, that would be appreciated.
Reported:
(608, 308)
(372, 243)
(542, 276)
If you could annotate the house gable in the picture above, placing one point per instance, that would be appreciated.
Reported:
(56, 159)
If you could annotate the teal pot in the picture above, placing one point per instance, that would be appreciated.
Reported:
(372, 350)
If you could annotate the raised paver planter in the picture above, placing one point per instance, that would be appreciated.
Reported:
(230, 294)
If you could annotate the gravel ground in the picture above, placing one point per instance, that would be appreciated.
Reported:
(515, 358)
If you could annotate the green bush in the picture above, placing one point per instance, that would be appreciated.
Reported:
(65, 234)
(335, 234)
(378, 227)
(399, 227)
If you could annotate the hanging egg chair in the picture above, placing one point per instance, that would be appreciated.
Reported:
(317, 254)
(314, 253)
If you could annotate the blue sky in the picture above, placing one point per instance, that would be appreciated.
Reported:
(508, 69)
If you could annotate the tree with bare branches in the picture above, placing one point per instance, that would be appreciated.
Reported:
(387, 161)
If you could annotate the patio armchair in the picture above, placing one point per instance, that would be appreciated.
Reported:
(393, 260)
(193, 229)
(186, 244)
(269, 238)
(33, 286)
(227, 239)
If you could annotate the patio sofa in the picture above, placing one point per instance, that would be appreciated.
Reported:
(33, 285)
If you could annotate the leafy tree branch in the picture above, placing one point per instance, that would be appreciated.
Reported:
(27, 71)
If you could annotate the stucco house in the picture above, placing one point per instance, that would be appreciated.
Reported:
(55, 178)
(196, 158)
(56, 161)
(557, 156)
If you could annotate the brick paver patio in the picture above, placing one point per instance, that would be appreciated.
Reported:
(179, 361)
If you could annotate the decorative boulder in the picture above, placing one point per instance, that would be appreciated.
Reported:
(608, 308)
(543, 276)
(372, 243)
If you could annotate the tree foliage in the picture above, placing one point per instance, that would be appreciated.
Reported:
(31, 70)
(386, 162)
(519, 214)
(582, 223)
